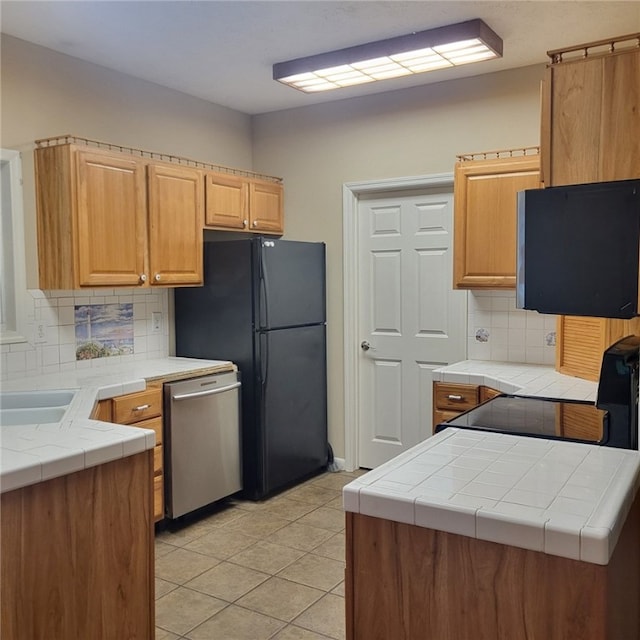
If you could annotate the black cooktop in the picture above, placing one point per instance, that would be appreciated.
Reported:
(535, 417)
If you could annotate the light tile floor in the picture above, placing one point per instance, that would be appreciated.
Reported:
(257, 570)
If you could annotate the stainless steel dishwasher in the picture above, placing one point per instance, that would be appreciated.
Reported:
(202, 441)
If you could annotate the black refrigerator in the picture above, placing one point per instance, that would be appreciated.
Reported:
(263, 306)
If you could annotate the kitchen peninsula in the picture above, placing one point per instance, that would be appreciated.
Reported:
(495, 537)
(77, 522)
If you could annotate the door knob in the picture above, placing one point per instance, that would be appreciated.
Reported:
(365, 346)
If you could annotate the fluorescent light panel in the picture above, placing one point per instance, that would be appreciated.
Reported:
(439, 48)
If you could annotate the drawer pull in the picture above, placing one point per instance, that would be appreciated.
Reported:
(455, 398)
(142, 407)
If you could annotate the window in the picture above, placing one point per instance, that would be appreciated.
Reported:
(12, 268)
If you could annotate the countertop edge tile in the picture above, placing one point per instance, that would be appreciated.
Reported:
(383, 504)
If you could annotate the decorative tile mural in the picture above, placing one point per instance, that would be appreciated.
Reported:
(103, 330)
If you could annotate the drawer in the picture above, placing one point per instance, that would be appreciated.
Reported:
(157, 460)
(456, 397)
(155, 424)
(442, 416)
(158, 498)
(486, 393)
(135, 407)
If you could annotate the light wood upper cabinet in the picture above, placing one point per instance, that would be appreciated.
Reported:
(91, 218)
(112, 219)
(176, 218)
(266, 206)
(590, 126)
(485, 214)
(227, 201)
(245, 204)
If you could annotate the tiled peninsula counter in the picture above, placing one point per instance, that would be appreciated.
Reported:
(484, 536)
(518, 379)
(77, 530)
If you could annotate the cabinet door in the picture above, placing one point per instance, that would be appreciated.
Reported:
(111, 220)
(485, 214)
(593, 129)
(266, 206)
(176, 213)
(227, 201)
(620, 142)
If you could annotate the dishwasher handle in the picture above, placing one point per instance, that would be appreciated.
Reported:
(208, 392)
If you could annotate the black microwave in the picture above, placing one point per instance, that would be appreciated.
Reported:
(578, 249)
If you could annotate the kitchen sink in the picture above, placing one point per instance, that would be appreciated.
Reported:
(35, 399)
(32, 415)
(34, 407)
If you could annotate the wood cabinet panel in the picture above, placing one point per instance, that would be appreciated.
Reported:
(594, 124)
(410, 583)
(486, 393)
(176, 219)
(266, 206)
(105, 218)
(583, 340)
(227, 201)
(241, 203)
(77, 555)
(581, 421)
(135, 407)
(575, 121)
(143, 409)
(443, 416)
(111, 222)
(485, 215)
(456, 396)
(620, 130)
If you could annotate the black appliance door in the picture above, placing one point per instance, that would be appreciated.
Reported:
(293, 404)
(291, 289)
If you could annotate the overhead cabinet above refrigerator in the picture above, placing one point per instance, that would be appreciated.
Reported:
(263, 307)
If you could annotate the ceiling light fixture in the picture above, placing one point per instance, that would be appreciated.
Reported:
(440, 48)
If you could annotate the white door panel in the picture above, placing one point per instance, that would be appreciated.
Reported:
(409, 315)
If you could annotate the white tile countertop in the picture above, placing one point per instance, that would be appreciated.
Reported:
(31, 453)
(561, 498)
(518, 379)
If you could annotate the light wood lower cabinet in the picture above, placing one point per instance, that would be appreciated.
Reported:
(581, 341)
(411, 583)
(142, 409)
(77, 555)
(450, 399)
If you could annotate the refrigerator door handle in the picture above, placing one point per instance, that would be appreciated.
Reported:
(263, 309)
(264, 359)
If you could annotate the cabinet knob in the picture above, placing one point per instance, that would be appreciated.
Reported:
(245, 223)
(255, 223)
(157, 277)
(143, 277)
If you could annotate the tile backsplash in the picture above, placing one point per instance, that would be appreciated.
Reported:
(51, 330)
(497, 330)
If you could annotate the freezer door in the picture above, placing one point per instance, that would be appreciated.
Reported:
(291, 283)
(293, 404)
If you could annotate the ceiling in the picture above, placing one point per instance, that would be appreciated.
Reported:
(223, 51)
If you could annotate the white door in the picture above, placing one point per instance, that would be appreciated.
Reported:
(411, 320)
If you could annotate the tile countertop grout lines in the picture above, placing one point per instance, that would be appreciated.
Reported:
(31, 453)
(518, 379)
(561, 498)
